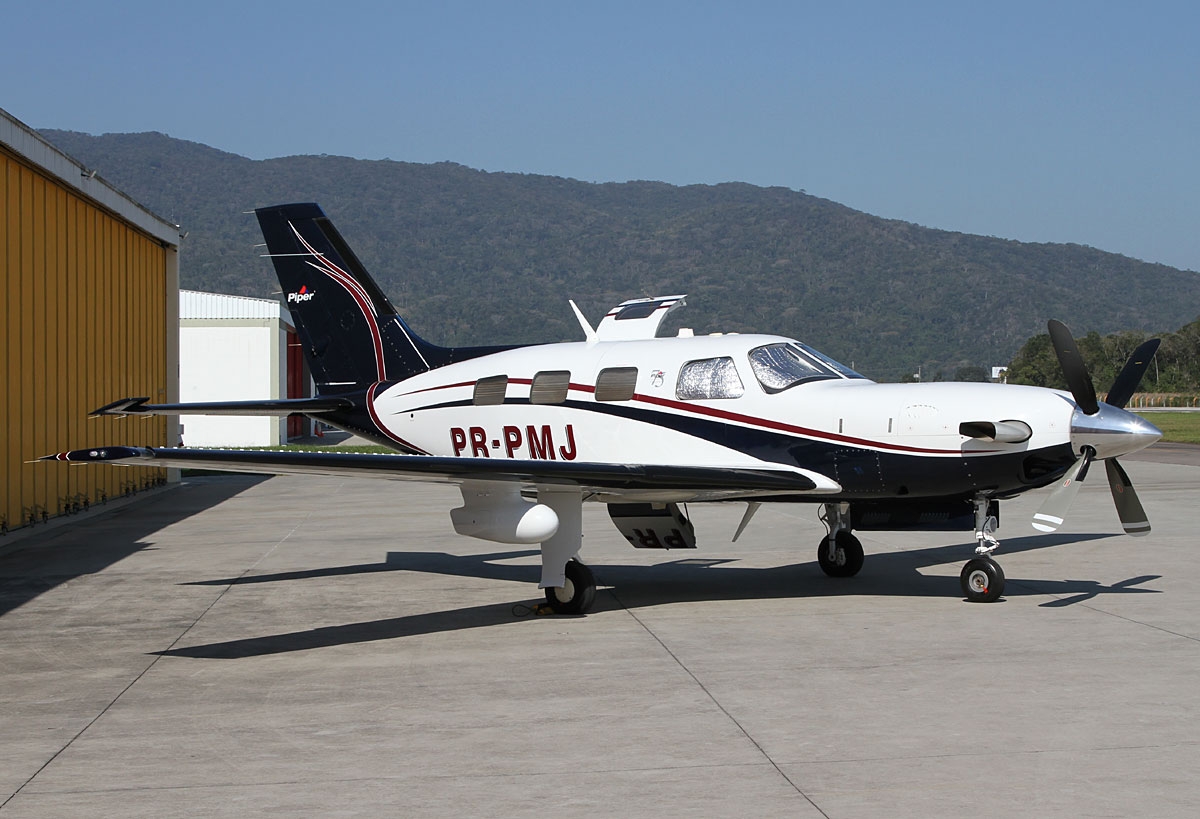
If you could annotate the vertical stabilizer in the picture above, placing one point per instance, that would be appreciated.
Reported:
(351, 334)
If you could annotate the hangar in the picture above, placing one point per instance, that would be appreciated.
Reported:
(90, 313)
(215, 329)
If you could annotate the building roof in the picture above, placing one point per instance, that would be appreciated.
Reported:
(33, 148)
(194, 304)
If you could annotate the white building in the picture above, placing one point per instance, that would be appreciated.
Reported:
(233, 348)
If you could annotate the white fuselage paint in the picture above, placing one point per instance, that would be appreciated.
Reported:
(909, 419)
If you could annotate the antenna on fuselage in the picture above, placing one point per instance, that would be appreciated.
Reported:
(588, 332)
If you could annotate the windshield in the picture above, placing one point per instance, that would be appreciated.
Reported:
(845, 371)
(780, 366)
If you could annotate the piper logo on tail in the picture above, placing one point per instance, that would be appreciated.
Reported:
(303, 294)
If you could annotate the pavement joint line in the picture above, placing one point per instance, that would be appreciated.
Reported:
(151, 665)
(718, 704)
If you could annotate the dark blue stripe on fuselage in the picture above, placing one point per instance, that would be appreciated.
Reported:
(861, 472)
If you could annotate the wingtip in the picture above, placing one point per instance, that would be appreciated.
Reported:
(95, 455)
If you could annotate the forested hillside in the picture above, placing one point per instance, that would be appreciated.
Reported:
(475, 257)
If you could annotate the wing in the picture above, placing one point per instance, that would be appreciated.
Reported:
(642, 481)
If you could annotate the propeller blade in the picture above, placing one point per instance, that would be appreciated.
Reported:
(1127, 382)
(1129, 508)
(1078, 379)
(1054, 509)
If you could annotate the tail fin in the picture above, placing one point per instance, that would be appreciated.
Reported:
(351, 334)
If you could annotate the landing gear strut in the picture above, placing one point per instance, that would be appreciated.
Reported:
(982, 579)
(576, 594)
(840, 554)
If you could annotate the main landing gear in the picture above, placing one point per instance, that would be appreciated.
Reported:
(577, 593)
(840, 553)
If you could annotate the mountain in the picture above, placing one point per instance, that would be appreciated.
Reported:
(474, 257)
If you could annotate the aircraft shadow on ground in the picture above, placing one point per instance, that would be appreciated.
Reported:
(689, 579)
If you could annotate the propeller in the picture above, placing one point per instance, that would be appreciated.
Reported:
(1079, 380)
(1054, 509)
(1109, 420)
(1129, 508)
(1131, 374)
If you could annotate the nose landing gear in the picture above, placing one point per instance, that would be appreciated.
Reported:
(982, 579)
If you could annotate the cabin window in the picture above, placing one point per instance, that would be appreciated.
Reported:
(616, 384)
(709, 378)
(780, 366)
(550, 387)
(490, 391)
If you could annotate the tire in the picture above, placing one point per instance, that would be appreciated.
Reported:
(577, 596)
(849, 557)
(982, 580)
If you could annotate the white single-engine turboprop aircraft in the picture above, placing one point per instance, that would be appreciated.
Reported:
(644, 424)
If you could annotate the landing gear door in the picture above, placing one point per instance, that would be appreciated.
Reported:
(653, 525)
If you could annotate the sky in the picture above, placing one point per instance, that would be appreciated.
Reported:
(1042, 122)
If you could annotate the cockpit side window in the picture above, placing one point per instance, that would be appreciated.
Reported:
(709, 378)
(780, 366)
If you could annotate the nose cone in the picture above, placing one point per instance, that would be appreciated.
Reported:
(1112, 431)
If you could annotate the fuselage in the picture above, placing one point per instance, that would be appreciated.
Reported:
(717, 401)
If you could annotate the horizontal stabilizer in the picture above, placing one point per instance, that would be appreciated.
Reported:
(277, 407)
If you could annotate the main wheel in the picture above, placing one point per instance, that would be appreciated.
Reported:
(847, 558)
(577, 593)
(982, 580)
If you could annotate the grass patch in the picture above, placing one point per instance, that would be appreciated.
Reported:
(1177, 427)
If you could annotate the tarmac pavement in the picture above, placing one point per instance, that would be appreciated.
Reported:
(298, 646)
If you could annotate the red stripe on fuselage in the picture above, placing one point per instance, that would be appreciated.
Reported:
(379, 424)
(748, 420)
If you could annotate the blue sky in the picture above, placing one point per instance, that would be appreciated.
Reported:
(1051, 122)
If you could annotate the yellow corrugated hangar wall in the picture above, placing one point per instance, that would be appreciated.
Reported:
(90, 314)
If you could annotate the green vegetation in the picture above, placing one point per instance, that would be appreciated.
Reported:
(1177, 427)
(472, 257)
(1174, 369)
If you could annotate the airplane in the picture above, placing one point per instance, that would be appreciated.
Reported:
(647, 424)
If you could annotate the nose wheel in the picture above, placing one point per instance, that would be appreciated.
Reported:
(982, 580)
